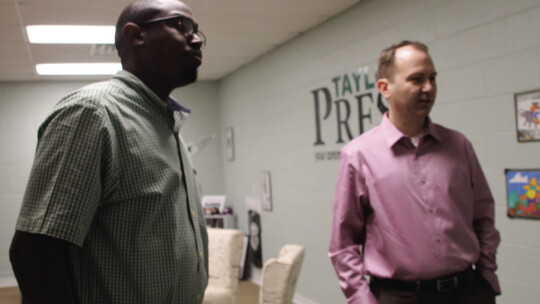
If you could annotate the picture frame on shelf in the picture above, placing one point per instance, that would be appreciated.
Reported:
(213, 204)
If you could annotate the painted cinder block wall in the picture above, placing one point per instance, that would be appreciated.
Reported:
(484, 51)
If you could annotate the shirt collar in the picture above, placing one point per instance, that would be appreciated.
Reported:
(176, 106)
(433, 131)
(180, 113)
(393, 134)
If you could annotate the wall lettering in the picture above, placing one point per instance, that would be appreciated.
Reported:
(344, 89)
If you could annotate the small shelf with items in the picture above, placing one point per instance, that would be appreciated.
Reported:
(216, 214)
(227, 221)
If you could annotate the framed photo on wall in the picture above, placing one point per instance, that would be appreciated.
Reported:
(266, 190)
(523, 193)
(528, 115)
(229, 143)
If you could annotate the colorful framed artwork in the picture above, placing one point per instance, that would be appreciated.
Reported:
(523, 193)
(528, 116)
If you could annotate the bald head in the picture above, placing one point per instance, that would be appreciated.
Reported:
(155, 46)
(137, 12)
(386, 62)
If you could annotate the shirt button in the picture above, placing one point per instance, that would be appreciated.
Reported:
(200, 254)
(430, 209)
(423, 180)
(437, 239)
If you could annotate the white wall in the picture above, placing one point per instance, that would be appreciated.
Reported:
(23, 107)
(203, 122)
(484, 50)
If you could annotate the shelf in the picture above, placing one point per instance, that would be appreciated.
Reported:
(227, 221)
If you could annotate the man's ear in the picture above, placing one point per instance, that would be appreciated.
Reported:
(382, 85)
(132, 34)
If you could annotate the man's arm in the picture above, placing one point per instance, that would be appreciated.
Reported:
(347, 235)
(484, 223)
(41, 266)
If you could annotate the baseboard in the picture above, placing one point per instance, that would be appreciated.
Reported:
(8, 282)
(298, 298)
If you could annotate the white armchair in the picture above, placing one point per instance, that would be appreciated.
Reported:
(225, 253)
(280, 275)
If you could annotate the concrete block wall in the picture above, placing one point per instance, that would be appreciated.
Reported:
(24, 106)
(484, 51)
(203, 122)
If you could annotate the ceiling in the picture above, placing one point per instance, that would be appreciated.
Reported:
(238, 31)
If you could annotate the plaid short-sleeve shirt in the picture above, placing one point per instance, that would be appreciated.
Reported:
(112, 176)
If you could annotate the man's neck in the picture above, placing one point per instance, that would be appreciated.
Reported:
(151, 82)
(158, 89)
(410, 128)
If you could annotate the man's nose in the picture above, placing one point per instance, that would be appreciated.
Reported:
(428, 86)
(198, 40)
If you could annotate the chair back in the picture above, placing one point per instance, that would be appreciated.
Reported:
(224, 255)
(280, 275)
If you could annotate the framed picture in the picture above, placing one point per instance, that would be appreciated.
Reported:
(255, 239)
(266, 190)
(523, 193)
(528, 116)
(213, 204)
(229, 142)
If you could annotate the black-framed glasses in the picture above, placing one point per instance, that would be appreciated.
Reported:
(184, 24)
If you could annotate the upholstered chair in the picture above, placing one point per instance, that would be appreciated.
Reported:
(280, 275)
(225, 253)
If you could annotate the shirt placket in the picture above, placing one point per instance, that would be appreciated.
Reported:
(187, 171)
(428, 197)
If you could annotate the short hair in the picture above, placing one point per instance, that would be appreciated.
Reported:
(385, 63)
(137, 12)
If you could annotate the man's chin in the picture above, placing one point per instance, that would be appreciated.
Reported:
(188, 77)
(425, 108)
(193, 77)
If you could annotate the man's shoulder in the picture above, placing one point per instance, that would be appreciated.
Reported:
(95, 92)
(98, 96)
(446, 134)
(368, 140)
(89, 100)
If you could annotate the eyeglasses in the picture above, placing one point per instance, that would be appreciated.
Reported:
(184, 24)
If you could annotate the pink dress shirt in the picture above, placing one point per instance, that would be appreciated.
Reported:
(415, 213)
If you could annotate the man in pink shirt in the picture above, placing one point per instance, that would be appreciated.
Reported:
(412, 208)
